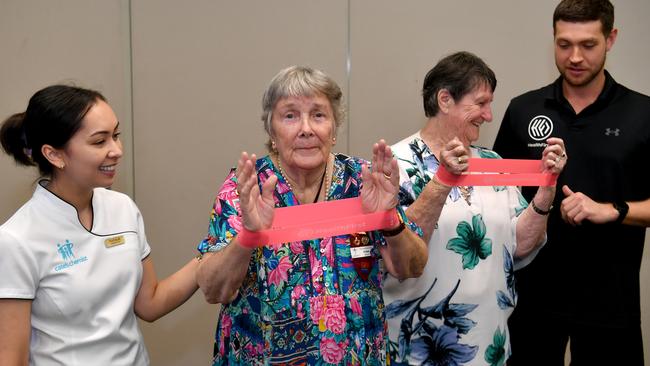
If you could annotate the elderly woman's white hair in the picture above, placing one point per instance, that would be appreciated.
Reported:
(301, 81)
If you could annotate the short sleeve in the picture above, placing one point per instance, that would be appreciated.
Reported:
(19, 272)
(145, 249)
(225, 217)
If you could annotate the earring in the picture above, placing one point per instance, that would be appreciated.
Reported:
(61, 166)
(273, 146)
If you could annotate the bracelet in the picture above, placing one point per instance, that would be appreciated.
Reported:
(538, 210)
(622, 207)
(396, 231)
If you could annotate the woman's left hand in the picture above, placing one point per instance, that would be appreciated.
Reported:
(554, 156)
(381, 186)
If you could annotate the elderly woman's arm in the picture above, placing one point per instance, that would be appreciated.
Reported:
(426, 209)
(221, 274)
(405, 254)
(531, 226)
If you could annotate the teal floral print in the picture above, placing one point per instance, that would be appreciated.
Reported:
(495, 354)
(471, 242)
(301, 303)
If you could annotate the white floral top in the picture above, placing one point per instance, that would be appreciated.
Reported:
(456, 313)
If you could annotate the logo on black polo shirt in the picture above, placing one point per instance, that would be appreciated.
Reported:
(540, 128)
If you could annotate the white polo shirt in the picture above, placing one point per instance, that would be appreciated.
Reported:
(83, 283)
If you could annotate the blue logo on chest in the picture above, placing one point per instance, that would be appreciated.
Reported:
(67, 254)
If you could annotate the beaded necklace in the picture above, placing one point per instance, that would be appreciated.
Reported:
(324, 179)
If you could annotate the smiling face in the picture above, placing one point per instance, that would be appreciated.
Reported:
(468, 114)
(580, 51)
(303, 131)
(93, 152)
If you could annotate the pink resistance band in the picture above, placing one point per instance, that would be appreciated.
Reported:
(318, 220)
(498, 172)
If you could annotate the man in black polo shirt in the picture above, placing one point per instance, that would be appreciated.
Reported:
(584, 285)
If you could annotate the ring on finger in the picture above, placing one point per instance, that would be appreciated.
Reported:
(387, 176)
(460, 160)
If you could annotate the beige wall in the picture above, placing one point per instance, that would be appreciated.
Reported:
(186, 79)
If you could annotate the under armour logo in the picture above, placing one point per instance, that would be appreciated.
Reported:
(540, 128)
(615, 132)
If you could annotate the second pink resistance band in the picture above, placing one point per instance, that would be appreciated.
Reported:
(499, 172)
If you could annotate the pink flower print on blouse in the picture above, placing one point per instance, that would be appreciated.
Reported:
(235, 223)
(216, 210)
(296, 247)
(226, 326)
(355, 306)
(297, 293)
(316, 305)
(316, 271)
(331, 310)
(332, 351)
(254, 350)
(280, 273)
(229, 190)
(335, 314)
(282, 187)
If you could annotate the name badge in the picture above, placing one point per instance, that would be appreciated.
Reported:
(361, 252)
(114, 241)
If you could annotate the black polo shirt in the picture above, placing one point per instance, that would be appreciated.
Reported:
(589, 273)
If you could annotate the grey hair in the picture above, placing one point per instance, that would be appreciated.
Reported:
(301, 81)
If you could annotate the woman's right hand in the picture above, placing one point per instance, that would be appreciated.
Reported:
(257, 209)
(455, 157)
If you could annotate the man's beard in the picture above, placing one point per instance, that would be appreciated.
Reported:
(582, 81)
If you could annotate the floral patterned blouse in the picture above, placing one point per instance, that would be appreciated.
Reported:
(456, 313)
(302, 303)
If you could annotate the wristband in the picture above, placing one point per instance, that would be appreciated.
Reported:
(538, 210)
(622, 208)
(396, 231)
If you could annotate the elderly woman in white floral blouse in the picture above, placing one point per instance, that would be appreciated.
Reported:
(457, 311)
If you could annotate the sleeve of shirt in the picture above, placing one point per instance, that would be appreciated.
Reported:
(406, 197)
(145, 249)
(225, 218)
(19, 272)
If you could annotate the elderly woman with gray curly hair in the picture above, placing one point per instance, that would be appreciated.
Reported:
(309, 301)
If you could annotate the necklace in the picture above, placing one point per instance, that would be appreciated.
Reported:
(320, 186)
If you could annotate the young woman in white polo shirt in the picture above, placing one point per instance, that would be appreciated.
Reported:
(74, 260)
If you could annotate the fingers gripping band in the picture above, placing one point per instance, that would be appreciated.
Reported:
(498, 172)
(318, 220)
